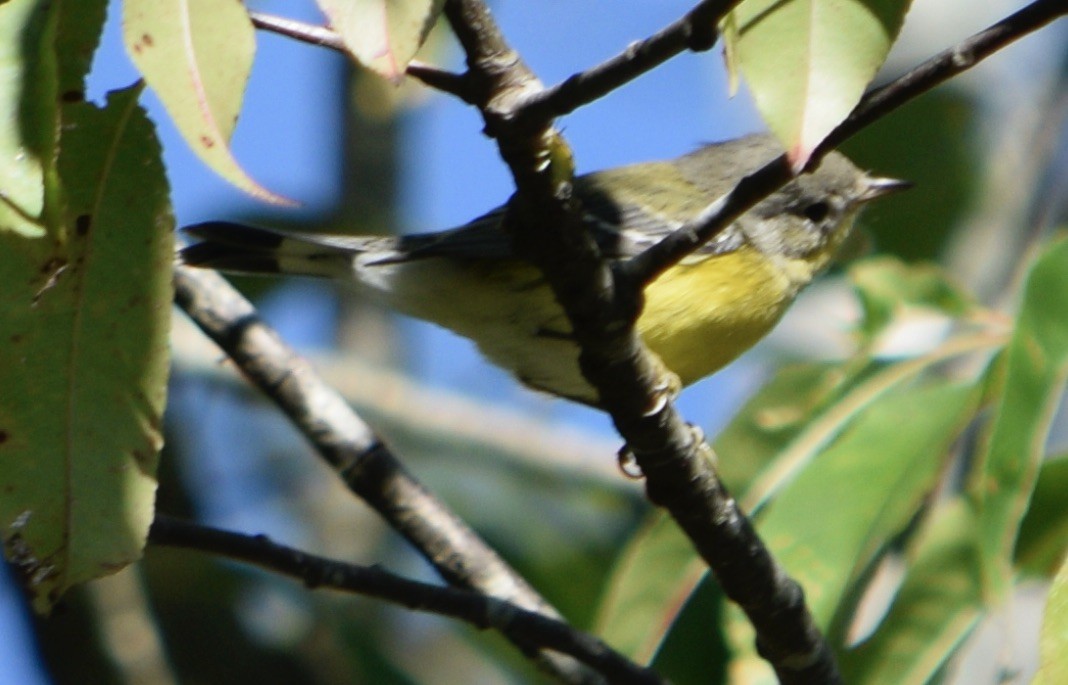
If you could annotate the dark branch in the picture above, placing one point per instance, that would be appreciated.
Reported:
(481, 611)
(602, 307)
(945, 66)
(647, 266)
(351, 448)
(696, 31)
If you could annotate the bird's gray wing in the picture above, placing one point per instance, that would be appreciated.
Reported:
(620, 231)
(625, 229)
(479, 239)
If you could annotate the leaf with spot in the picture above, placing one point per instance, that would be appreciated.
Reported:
(196, 55)
(807, 62)
(383, 35)
(84, 317)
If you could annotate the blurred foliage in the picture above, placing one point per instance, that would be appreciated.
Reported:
(853, 478)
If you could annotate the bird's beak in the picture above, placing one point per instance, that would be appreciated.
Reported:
(875, 186)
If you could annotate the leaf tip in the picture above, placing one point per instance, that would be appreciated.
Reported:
(798, 157)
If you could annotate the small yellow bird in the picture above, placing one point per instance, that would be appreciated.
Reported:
(698, 315)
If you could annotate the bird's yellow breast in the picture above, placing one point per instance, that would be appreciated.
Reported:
(699, 316)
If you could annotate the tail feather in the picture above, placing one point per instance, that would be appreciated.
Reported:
(246, 249)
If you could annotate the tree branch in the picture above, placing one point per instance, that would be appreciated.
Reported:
(326, 37)
(532, 628)
(323, 36)
(696, 31)
(647, 266)
(946, 65)
(351, 448)
(602, 307)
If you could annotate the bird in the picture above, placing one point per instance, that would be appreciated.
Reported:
(698, 315)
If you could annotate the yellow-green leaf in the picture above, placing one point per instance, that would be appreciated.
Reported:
(879, 476)
(807, 62)
(383, 35)
(1034, 383)
(28, 115)
(84, 316)
(936, 608)
(196, 55)
(651, 582)
(1053, 647)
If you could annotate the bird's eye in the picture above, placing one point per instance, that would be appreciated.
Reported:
(817, 211)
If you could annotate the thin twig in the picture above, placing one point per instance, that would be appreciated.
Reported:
(324, 36)
(696, 31)
(645, 267)
(479, 610)
(945, 66)
(351, 448)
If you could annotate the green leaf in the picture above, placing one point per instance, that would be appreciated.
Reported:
(383, 35)
(30, 118)
(196, 55)
(880, 476)
(695, 652)
(1053, 645)
(77, 34)
(83, 356)
(1043, 539)
(807, 62)
(830, 526)
(651, 582)
(780, 431)
(1034, 382)
(774, 416)
(856, 397)
(938, 605)
(938, 123)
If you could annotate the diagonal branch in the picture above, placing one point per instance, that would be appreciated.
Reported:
(696, 31)
(479, 610)
(326, 37)
(647, 266)
(351, 448)
(323, 36)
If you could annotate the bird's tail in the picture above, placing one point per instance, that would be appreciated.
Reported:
(244, 249)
